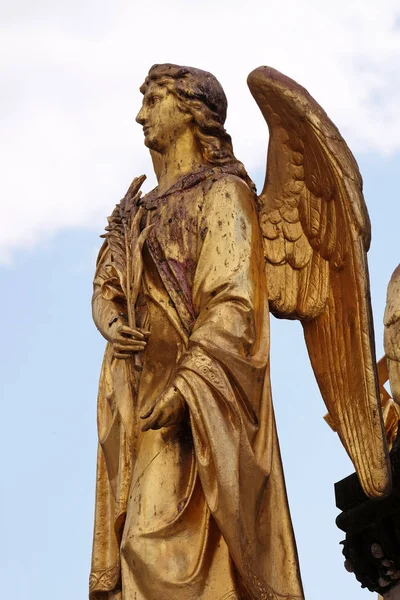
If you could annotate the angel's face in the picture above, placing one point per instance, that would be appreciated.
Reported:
(162, 118)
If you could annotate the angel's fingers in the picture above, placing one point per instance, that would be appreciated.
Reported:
(129, 331)
(122, 355)
(148, 412)
(152, 423)
(145, 332)
(125, 341)
(132, 347)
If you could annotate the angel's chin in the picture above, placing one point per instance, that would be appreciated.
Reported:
(151, 143)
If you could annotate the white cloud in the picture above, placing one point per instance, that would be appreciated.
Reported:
(71, 72)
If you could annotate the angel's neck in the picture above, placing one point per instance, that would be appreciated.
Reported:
(180, 158)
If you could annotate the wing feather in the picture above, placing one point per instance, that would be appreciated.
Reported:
(316, 234)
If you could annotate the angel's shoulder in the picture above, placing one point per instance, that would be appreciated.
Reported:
(229, 192)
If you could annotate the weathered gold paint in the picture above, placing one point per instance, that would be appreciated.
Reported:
(392, 334)
(190, 498)
(390, 408)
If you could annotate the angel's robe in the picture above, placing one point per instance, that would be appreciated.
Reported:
(197, 511)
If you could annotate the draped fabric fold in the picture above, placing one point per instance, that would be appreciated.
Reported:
(206, 516)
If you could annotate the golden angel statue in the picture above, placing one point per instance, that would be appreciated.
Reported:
(190, 494)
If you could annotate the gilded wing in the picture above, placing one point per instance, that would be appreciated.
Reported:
(316, 233)
(392, 333)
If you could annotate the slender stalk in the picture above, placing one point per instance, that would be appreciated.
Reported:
(126, 243)
(129, 302)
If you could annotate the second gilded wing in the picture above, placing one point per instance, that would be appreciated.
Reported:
(316, 234)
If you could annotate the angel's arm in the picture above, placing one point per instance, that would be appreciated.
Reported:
(108, 306)
(109, 310)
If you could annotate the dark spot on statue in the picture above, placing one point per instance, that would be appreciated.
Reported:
(218, 289)
(243, 226)
(247, 348)
(220, 224)
(200, 207)
(227, 195)
(169, 220)
(203, 233)
(207, 186)
(181, 504)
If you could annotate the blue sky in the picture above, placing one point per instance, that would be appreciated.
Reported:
(70, 149)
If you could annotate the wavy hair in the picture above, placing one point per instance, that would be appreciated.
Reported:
(200, 94)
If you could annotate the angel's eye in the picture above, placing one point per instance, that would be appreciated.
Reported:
(151, 100)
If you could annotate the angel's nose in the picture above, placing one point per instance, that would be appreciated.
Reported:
(141, 117)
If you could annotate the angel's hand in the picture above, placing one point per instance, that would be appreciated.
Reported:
(169, 410)
(126, 341)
